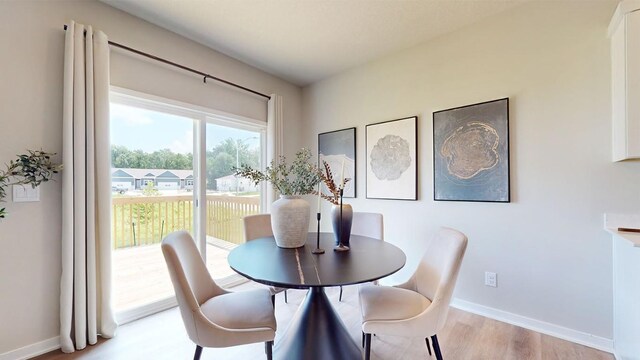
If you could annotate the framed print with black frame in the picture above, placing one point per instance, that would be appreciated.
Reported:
(338, 149)
(471, 153)
(392, 159)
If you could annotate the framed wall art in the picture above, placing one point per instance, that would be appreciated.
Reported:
(338, 148)
(471, 153)
(392, 159)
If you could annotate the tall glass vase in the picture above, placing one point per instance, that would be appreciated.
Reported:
(347, 218)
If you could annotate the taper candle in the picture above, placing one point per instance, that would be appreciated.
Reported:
(319, 197)
(341, 185)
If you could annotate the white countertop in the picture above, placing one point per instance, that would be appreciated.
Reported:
(633, 238)
(614, 221)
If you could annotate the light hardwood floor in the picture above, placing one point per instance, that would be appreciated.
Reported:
(466, 336)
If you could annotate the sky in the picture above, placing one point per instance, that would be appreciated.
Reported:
(149, 131)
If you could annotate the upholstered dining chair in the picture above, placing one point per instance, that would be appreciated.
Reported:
(259, 226)
(366, 224)
(418, 307)
(212, 316)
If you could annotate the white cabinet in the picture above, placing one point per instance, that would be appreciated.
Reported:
(624, 32)
(626, 299)
(626, 285)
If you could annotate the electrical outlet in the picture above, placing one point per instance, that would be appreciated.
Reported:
(490, 279)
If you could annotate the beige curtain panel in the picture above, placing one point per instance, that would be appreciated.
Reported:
(275, 139)
(85, 286)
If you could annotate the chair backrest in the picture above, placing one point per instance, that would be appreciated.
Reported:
(257, 226)
(191, 279)
(436, 275)
(368, 224)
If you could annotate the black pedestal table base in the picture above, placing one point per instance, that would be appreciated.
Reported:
(316, 333)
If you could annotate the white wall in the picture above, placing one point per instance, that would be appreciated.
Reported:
(552, 60)
(31, 58)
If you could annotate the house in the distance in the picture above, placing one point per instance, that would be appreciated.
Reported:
(228, 183)
(163, 179)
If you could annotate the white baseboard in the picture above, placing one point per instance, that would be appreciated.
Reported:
(554, 330)
(122, 318)
(32, 350)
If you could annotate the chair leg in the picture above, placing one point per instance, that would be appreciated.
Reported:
(367, 347)
(286, 301)
(196, 356)
(268, 348)
(436, 347)
(428, 345)
(340, 298)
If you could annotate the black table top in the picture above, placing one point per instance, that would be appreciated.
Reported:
(263, 261)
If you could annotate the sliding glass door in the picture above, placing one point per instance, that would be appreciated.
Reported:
(152, 162)
(172, 170)
(228, 198)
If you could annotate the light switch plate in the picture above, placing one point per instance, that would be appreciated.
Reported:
(25, 193)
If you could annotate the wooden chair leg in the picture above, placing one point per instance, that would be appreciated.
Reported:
(340, 298)
(367, 347)
(268, 348)
(436, 347)
(286, 301)
(428, 345)
(196, 356)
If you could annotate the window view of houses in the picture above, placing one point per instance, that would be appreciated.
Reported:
(153, 182)
(169, 173)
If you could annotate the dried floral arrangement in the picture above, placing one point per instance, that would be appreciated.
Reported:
(327, 178)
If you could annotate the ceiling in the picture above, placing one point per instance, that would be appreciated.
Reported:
(304, 41)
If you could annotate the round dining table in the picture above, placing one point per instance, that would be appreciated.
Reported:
(316, 331)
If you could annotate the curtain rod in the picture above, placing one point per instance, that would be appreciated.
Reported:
(185, 68)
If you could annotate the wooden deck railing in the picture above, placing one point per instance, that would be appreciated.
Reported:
(145, 220)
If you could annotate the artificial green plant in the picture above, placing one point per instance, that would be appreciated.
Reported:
(32, 169)
(298, 178)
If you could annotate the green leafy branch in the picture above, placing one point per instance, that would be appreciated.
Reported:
(298, 178)
(32, 169)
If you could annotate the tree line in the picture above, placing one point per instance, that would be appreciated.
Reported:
(123, 157)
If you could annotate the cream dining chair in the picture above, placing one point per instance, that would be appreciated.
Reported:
(419, 307)
(367, 224)
(212, 316)
(259, 226)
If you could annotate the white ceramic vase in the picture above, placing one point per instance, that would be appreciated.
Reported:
(290, 221)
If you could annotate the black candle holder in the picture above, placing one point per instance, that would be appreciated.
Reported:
(317, 250)
(340, 246)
